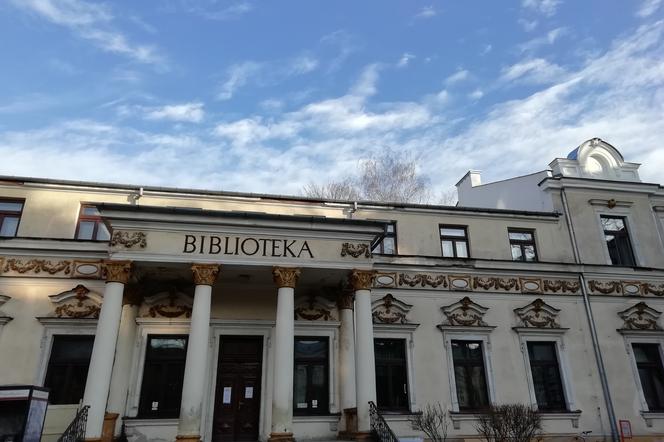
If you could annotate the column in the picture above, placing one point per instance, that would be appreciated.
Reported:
(365, 365)
(117, 397)
(284, 338)
(103, 350)
(346, 351)
(193, 385)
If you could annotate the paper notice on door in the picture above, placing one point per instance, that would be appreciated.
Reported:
(227, 395)
(314, 403)
(248, 392)
(301, 405)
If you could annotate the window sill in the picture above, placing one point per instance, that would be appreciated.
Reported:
(649, 416)
(572, 416)
(332, 417)
(458, 416)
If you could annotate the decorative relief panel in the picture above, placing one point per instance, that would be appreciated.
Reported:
(128, 239)
(561, 285)
(495, 283)
(390, 310)
(605, 287)
(640, 317)
(167, 304)
(531, 285)
(460, 282)
(355, 250)
(87, 270)
(37, 266)
(385, 280)
(423, 280)
(626, 288)
(314, 308)
(465, 313)
(77, 303)
(538, 314)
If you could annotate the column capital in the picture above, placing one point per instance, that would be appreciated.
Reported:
(362, 279)
(285, 276)
(205, 274)
(345, 300)
(117, 271)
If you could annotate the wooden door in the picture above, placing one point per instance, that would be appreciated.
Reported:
(238, 393)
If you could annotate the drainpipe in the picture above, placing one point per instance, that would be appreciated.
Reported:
(591, 322)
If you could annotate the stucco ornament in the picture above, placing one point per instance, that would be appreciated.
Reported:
(561, 285)
(168, 304)
(538, 314)
(390, 310)
(640, 317)
(605, 287)
(129, 239)
(465, 313)
(117, 271)
(355, 250)
(362, 279)
(205, 274)
(37, 266)
(423, 280)
(285, 276)
(495, 283)
(314, 308)
(77, 303)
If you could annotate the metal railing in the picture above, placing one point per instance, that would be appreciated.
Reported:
(381, 431)
(75, 432)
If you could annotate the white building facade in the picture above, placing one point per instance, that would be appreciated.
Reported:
(191, 315)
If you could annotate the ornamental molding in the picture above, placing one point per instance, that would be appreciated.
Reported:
(488, 283)
(610, 203)
(361, 279)
(538, 314)
(205, 274)
(37, 266)
(128, 239)
(314, 308)
(167, 304)
(77, 303)
(285, 276)
(423, 280)
(465, 313)
(390, 310)
(640, 317)
(625, 288)
(355, 250)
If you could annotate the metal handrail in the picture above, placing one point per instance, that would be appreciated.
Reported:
(379, 426)
(75, 432)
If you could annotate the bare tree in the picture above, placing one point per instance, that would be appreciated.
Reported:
(390, 177)
(509, 423)
(433, 422)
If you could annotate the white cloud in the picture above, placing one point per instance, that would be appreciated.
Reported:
(547, 39)
(476, 94)
(457, 77)
(528, 25)
(426, 12)
(648, 7)
(405, 60)
(535, 70)
(187, 112)
(545, 7)
(238, 75)
(486, 49)
(91, 21)
(302, 65)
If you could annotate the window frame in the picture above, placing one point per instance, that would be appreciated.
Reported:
(625, 212)
(97, 219)
(405, 332)
(628, 233)
(380, 248)
(325, 410)
(642, 337)
(454, 239)
(4, 214)
(50, 365)
(522, 243)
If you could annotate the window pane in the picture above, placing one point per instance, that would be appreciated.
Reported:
(300, 385)
(168, 343)
(448, 249)
(516, 253)
(391, 374)
(310, 349)
(461, 249)
(612, 224)
(102, 232)
(85, 229)
(90, 211)
(10, 206)
(9, 226)
(449, 231)
(529, 252)
(388, 246)
(651, 374)
(68, 368)
(311, 382)
(389, 228)
(521, 236)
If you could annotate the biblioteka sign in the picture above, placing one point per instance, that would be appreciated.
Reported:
(246, 246)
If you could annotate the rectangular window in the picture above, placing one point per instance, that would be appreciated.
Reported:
(617, 240)
(651, 374)
(90, 225)
(10, 215)
(454, 241)
(161, 391)
(68, 368)
(311, 383)
(522, 243)
(391, 374)
(388, 245)
(546, 376)
(469, 375)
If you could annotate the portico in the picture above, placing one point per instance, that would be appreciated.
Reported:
(261, 265)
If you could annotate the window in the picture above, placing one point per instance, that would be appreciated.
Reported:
(68, 368)
(311, 384)
(617, 240)
(651, 374)
(163, 374)
(10, 215)
(90, 226)
(469, 375)
(388, 245)
(547, 381)
(522, 243)
(391, 374)
(454, 241)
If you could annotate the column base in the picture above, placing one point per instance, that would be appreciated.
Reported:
(108, 429)
(281, 437)
(188, 438)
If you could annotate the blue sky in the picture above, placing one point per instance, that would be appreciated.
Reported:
(267, 96)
